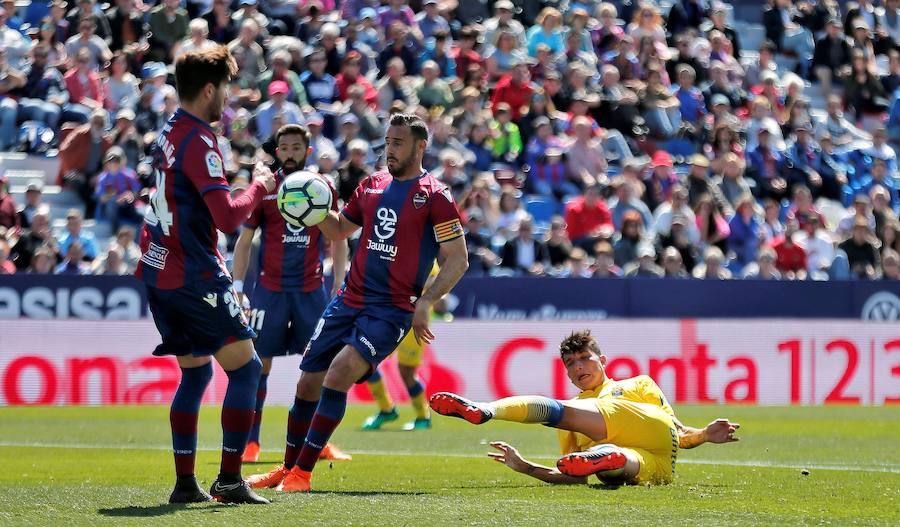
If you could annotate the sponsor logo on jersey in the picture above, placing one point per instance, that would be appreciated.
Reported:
(420, 199)
(295, 235)
(155, 256)
(385, 228)
(214, 165)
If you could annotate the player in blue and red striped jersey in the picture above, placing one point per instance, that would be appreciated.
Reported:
(408, 218)
(290, 294)
(189, 291)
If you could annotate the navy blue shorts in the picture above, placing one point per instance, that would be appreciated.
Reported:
(374, 331)
(285, 320)
(197, 319)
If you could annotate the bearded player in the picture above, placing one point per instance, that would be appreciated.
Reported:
(622, 431)
(189, 290)
(290, 294)
(408, 218)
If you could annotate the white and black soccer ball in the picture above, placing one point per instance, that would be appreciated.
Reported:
(304, 199)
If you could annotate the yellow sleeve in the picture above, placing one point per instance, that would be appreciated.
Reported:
(653, 394)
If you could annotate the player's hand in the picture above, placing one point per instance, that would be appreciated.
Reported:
(721, 431)
(420, 321)
(262, 174)
(244, 303)
(509, 456)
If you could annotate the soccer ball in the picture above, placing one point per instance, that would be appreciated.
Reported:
(304, 199)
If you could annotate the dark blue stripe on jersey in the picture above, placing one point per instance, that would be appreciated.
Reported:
(356, 221)
(376, 282)
(428, 251)
(213, 187)
(195, 225)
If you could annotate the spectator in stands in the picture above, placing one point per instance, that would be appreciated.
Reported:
(6, 266)
(645, 265)
(730, 184)
(864, 93)
(81, 157)
(478, 242)
(33, 194)
(766, 163)
(626, 241)
(505, 136)
(677, 205)
(890, 265)
(692, 105)
(43, 262)
(832, 168)
(87, 39)
(43, 94)
(558, 244)
(168, 24)
(686, 14)
(280, 71)
(11, 79)
(196, 39)
(672, 264)
(85, 89)
(587, 218)
(524, 254)
(819, 249)
(350, 77)
(111, 264)
(877, 176)
(276, 105)
(764, 267)
(832, 56)
(679, 238)
(73, 262)
(861, 252)
(221, 28)
(131, 252)
(791, 258)
(625, 200)
(745, 233)
(117, 190)
(37, 237)
(75, 233)
(604, 264)
(49, 36)
(12, 42)
(842, 131)
(711, 224)
(712, 268)
(9, 218)
(121, 87)
(128, 33)
(785, 26)
(433, 92)
(84, 9)
(577, 265)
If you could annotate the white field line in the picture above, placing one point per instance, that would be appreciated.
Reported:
(686, 461)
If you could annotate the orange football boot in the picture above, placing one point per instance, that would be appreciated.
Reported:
(598, 459)
(452, 405)
(268, 480)
(251, 452)
(296, 481)
(333, 453)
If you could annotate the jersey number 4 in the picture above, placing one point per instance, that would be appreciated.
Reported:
(158, 213)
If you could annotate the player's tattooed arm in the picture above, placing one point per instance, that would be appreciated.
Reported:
(509, 456)
(718, 431)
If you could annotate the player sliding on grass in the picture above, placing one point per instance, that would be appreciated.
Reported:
(408, 218)
(622, 431)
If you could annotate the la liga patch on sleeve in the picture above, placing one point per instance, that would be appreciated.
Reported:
(214, 165)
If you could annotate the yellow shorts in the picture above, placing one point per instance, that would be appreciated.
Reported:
(647, 431)
(410, 352)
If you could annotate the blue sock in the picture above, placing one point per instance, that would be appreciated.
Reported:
(415, 389)
(328, 416)
(299, 417)
(260, 401)
(237, 415)
(375, 377)
(183, 416)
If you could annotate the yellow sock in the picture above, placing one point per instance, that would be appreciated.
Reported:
(381, 395)
(417, 398)
(528, 409)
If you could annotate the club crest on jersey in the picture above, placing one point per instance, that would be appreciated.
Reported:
(214, 165)
(420, 199)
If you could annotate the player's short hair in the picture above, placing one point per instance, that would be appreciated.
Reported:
(195, 69)
(292, 129)
(577, 342)
(415, 123)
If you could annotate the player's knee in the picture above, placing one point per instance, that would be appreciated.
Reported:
(408, 374)
(250, 370)
(310, 385)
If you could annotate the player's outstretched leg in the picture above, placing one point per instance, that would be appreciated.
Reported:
(416, 391)
(183, 416)
(519, 409)
(607, 461)
(251, 451)
(387, 411)
(237, 419)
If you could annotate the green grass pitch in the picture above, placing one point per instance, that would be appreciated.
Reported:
(112, 466)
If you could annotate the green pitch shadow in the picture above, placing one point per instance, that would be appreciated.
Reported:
(148, 511)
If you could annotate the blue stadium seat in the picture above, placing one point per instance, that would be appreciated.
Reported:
(541, 208)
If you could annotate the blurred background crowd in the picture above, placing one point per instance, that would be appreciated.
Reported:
(580, 138)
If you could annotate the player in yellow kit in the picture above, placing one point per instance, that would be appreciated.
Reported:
(409, 358)
(622, 431)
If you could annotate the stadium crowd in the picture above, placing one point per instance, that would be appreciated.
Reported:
(579, 138)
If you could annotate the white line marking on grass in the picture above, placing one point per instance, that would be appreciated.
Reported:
(686, 461)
